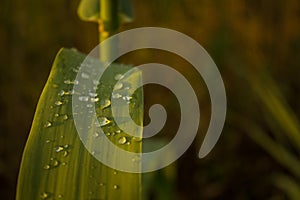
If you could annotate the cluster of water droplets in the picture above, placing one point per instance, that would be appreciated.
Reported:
(92, 101)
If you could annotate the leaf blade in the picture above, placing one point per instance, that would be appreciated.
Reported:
(55, 163)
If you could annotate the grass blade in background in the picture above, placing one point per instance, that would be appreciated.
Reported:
(276, 107)
(55, 163)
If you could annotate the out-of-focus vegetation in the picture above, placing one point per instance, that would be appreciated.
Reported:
(256, 45)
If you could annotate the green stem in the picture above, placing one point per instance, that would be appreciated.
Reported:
(108, 26)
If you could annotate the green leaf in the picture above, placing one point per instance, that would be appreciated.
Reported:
(55, 163)
(89, 10)
(276, 106)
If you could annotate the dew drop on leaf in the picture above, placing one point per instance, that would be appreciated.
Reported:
(94, 99)
(105, 103)
(59, 148)
(48, 141)
(48, 124)
(83, 98)
(85, 75)
(122, 140)
(96, 134)
(58, 103)
(101, 184)
(116, 96)
(118, 86)
(44, 195)
(61, 93)
(47, 167)
(65, 154)
(127, 98)
(104, 121)
(93, 94)
(127, 88)
(118, 131)
(65, 117)
(55, 163)
(116, 187)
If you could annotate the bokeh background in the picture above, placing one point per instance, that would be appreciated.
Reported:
(256, 45)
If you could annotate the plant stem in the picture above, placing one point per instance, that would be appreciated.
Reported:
(108, 25)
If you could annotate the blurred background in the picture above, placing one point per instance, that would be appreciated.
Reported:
(255, 44)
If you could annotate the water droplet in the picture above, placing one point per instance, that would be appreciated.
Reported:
(118, 77)
(96, 134)
(85, 75)
(116, 187)
(93, 99)
(115, 172)
(44, 195)
(83, 98)
(95, 82)
(47, 167)
(128, 143)
(104, 121)
(48, 124)
(66, 146)
(59, 148)
(116, 96)
(127, 98)
(127, 88)
(69, 82)
(118, 86)
(60, 196)
(56, 115)
(48, 141)
(58, 103)
(63, 163)
(65, 117)
(71, 92)
(93, 94)
(118, 131)
(55, 163)
(101, 184)
(65, 154)
(61, 93)
(108, 134)
(105, 103)
(122, 140)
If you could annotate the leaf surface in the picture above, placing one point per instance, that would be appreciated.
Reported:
(56, 164)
